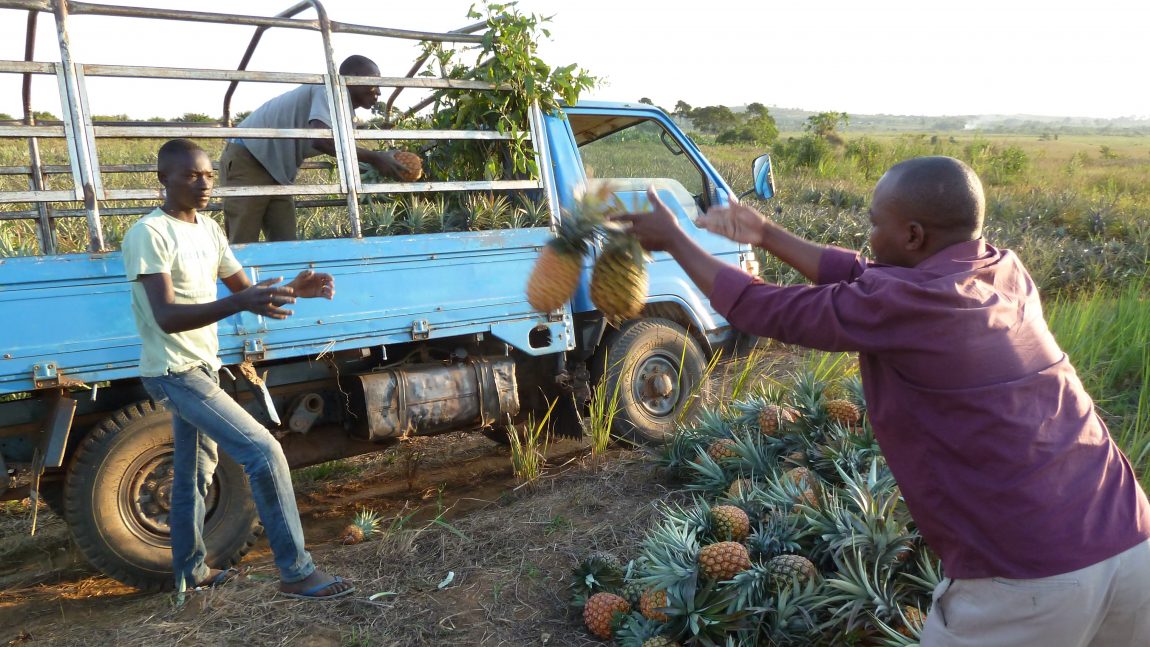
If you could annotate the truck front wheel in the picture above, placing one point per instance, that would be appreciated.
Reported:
(654, 369)
(117, 494)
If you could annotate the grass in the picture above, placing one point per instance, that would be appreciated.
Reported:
(529, 446)
(1106, 334)
(329, 471)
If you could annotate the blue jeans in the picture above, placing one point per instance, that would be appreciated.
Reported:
(202, 417)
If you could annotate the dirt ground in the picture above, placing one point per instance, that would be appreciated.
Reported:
(469, 555)
(473, 559)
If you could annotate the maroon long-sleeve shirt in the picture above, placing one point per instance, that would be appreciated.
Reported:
(1000, 456)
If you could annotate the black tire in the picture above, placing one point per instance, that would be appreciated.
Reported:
(635, 360)
(117, 511)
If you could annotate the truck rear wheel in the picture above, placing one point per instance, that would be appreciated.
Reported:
(117, 494)
(656, 368)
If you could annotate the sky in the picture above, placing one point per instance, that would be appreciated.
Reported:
(920, 57)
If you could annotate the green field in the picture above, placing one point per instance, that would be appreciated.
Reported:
(1076, 209)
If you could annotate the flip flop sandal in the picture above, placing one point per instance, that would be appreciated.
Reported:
(311, 594)
(221, 578)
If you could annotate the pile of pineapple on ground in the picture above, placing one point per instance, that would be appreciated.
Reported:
(619, 278)
(797, 535)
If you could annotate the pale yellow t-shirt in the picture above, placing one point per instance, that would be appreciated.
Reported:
(195, 256)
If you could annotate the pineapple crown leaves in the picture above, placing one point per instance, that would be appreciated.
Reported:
(634, 630)
(753, 587)
(708, 616)
(598, 572)
(859, 589)
(682, 449)
(368, 521)
(788, 617)
(670, 557)
(891, 636)
(777, 534)
(925, 574)
(705, 475)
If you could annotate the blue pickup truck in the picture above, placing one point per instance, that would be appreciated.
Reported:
(428, 333)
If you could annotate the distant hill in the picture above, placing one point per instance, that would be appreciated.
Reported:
(791, 119)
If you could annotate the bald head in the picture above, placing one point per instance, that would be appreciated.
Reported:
(356, 65)
(942, 193)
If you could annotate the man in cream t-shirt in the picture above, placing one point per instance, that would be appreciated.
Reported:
(173, 258)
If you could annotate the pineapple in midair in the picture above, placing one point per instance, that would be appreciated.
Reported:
(650, 603)
(362, 527)
(619, 280)
(730, 522)
(600, 611)
(555, 276)
(772, 417)
(786, 567)
(724, 560)
(844, 412)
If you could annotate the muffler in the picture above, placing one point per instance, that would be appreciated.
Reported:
(426, 399)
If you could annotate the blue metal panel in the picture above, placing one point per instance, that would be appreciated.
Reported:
(74, 311)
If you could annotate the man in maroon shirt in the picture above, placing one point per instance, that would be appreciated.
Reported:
(1010, 475)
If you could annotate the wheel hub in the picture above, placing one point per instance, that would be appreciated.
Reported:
(656, 385)
(150, 494)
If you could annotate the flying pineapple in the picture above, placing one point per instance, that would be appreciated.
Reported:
(555, 276)
(619, 280)
(362, 527)
(600, 612)
(724, 560)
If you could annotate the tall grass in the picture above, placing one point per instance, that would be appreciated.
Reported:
(529, 446)
(1106, 334)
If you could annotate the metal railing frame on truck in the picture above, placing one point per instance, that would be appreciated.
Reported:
(81, 133)
(512, 323)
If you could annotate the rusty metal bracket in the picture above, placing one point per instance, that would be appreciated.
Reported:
(46, 376)
(253, 350)
(420, 329)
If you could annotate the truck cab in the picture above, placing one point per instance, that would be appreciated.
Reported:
(430, 331)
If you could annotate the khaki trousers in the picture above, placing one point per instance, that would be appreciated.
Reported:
(246, 217)
(1104, 605)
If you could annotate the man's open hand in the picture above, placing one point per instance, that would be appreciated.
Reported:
(310, 285)
(737, 222)
(657, 230)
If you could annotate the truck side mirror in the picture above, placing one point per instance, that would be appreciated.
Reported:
(764, 175)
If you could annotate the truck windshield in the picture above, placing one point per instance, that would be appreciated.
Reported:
(636, 157)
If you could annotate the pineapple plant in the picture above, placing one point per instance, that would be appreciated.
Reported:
(599, 613)
(363, 526)
(723, 560)
(844, 412)
(650, 603)
(721, 449)
(772, 417)
(913, 620)
(730, 523)
(619, 279)
(787, 567)
(411, 166)
(740, 487)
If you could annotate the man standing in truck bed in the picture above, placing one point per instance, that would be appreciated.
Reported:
(256, 162)
(173, 257)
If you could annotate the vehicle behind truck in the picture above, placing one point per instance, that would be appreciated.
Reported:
(430, 331)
